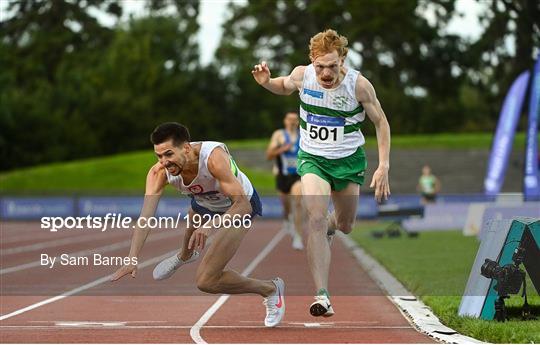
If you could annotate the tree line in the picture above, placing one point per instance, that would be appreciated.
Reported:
(71, 87)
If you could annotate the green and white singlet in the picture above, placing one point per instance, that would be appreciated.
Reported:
(330, 119)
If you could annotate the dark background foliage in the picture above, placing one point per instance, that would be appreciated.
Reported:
(71, 87)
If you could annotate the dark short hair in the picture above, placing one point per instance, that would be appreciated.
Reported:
(170, 130)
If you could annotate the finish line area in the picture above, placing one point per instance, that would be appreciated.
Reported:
(63, 304)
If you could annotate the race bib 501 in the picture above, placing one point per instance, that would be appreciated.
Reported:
(325, 129)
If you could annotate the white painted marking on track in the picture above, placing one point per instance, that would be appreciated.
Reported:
(82, 288)
(87, 252)
(51, 244)
(195, 331)
(348, 323)
(89, 323)
(232, 327)
(314, 324)
(413, 310)
(126, 322)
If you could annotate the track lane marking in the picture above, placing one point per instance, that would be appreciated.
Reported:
(37, 236)
(293, 326)
(86, 252)
(83, 287)
(51, 244)
(195, 331)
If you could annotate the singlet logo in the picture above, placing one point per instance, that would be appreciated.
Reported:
(196, 189)
(313, 93)
(340, 101)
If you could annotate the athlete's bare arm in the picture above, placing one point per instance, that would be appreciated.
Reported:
(219, 166)
(365, 94)
(275, 147)
(281, 85)
(156, 180)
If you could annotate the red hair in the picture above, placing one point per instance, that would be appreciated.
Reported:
(326, 42)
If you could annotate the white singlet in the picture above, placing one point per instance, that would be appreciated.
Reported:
(205, 188)
(330, 119)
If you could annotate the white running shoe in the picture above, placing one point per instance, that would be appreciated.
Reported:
(321, 307)
(275, 304)
(167, 267)
(297, 242)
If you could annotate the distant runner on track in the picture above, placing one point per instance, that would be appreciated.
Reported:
(283, 147)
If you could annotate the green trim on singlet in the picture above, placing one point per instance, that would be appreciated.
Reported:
(317, 110)
(348, 128)
(234, 167)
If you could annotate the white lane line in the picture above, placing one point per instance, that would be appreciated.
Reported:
(83, 287)
(98, 324)
(86, 252)
(48, 322)
(195, 331)
(23, 327)
(36, 236)
(51, 244)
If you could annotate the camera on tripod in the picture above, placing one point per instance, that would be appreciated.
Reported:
(509, 279)
(514, 245)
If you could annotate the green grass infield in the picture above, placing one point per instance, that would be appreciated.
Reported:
(436, 266)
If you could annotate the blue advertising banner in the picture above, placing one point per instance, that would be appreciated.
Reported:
(171, 207)
(531, 182)
(271, 207)
(504, 136)
(23, 208)
(367, 208)
(101, 206)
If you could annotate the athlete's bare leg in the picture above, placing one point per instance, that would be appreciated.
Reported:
(316, 192)
(212, 277)
(297, 207)
(285, 201)
(345, 205)
(185, 253)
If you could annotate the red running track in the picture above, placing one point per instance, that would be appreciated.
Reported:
(142, 310)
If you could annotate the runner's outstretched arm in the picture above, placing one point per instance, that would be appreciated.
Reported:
(365, 94)
(156, 180)
(281, 85)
